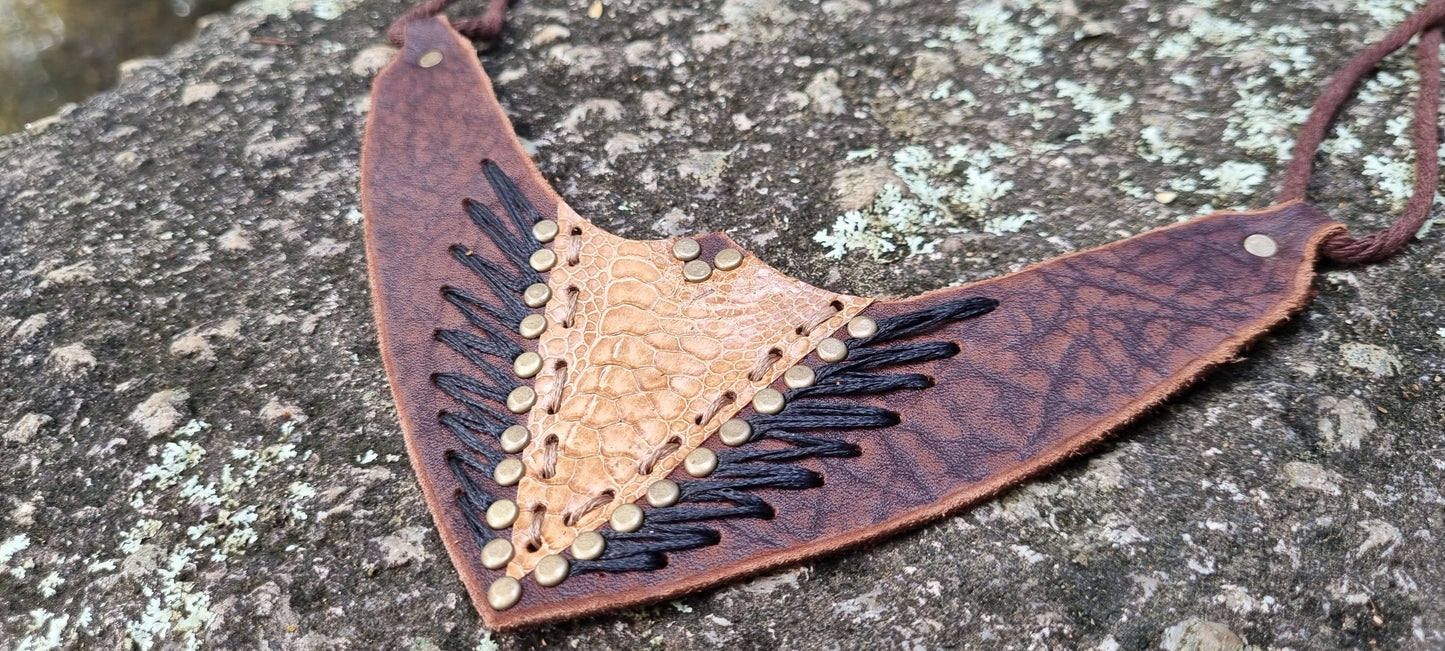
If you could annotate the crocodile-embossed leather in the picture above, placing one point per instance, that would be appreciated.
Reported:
(1077, 346)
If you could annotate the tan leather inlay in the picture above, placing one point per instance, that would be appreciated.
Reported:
(647, 354)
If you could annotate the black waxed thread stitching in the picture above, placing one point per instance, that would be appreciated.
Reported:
(479, 427)
(676, 528)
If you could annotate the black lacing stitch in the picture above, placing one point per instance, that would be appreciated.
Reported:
(478, 428)
(676, 528)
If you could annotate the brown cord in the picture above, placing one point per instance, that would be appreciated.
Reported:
(1378, 246)
(487, 27)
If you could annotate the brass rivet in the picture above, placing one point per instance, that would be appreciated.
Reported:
(504, 593)
(799, 376)
(543, 259)
(508, 472)
(515, 439)
(533, 325)
(832, 350)
(1261, 245)
(696, 271)
(663, 493)
(536, 295)
(700, 462)
(862, 326)
(545, 231)
(686, 249)
(429, 59)
(527, 364)
(521, 399)
(626, 518)
(728, 259)
(496, 554)
(588, 546)
(768, 401)
(501, 514)
(735, 432)
(551, 570)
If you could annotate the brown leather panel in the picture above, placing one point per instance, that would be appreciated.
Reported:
(1077, 347)
(646, 357)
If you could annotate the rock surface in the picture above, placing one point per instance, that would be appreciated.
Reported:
(200, 447)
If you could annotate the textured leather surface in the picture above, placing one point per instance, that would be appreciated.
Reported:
(648, 354)
(1078, 347)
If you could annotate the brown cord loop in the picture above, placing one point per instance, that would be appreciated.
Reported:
(1378, 246)
(487, 27)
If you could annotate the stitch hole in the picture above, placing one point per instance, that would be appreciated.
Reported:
(553, 399)
(648, 462)
(598, 501)
(573, 292)
(819, 318)
(549, 457)
(574, 247)
(716, 406)
(534, 529)
(764, 364)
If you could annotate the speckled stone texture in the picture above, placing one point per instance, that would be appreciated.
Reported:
(199, 448)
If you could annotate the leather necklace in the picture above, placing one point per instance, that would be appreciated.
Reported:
(599, 423)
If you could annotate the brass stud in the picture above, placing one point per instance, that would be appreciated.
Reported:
(527, 364)
(768, 401)
(545, 231)
(728, 259)
(626, 518)
(1261, 245)
(799, 376)
(832, 350)
(686, 249)
(515, 439)
(521, 399)
(663, 493)
(496, 554)
(588, 546)
(533, 325)
(508, 472)
(862, 326)
(696, 271)
(543, 259)
(501, 514)
(430, 59)
(504, 593)
(536, 295)
(551, 570)
(735, 432)
(700, 462)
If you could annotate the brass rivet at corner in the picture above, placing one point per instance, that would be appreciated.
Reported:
(862, 326)
(696, 271)
(543, 259)
(686, 249)
(1261, 245)
(508, 472)
(521, 399)
(768, 401)
(626, 519)
(496, 554)
(527, 364)
(735, 432)
(832, 350)
(588, 545)
(545, 231)
(663, 493)
(551, 570)
(536, 295)
(700, 462)
(728, 259)
(430, 58)
(501, 514)
(515, 439)
(533, 325)
(799, 376)
(504, 593)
